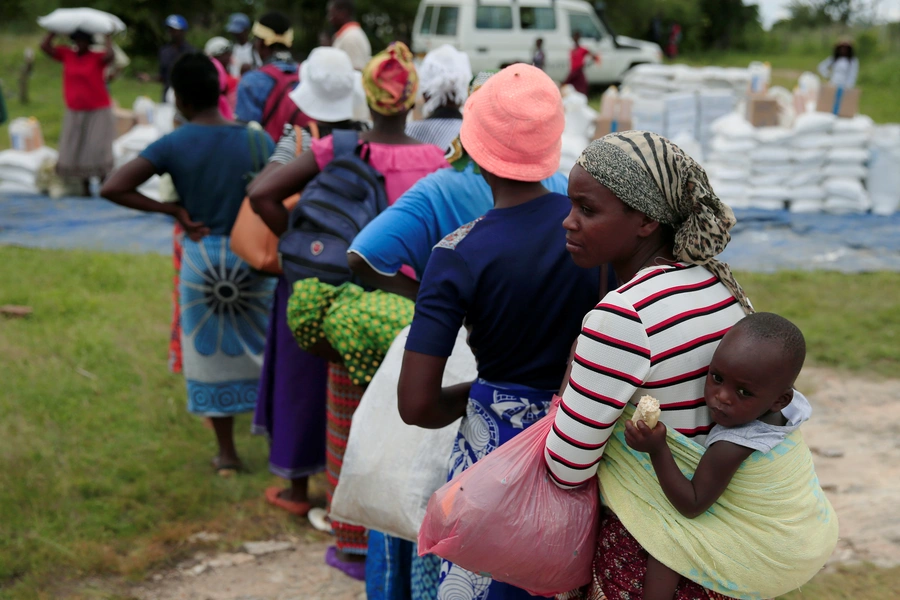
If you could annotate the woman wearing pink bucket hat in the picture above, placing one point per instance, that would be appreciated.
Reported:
(508, 277)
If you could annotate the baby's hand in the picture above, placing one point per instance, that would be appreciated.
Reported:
(643, 439)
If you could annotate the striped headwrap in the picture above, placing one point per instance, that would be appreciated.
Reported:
(390, 80)
(654, 176)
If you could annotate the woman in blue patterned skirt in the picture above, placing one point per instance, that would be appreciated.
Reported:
(224, 305)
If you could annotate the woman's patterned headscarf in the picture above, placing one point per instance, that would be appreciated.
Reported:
(390, 80)
(654, 176)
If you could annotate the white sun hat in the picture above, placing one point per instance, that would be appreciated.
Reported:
(327, 83)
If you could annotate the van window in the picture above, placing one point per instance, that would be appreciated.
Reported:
(583, 23)
(446, 21)
(539, 19)
(427, 18)
(493, 17)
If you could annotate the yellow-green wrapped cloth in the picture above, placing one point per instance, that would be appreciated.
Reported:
(360, 325)
(770, 532)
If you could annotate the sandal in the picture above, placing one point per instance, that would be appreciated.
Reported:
(300, 509)
(354, 570)
(226, 469)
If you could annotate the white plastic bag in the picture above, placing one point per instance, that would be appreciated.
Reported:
(65, 21)
(390, 468)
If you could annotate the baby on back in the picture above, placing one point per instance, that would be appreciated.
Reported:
(750, 394)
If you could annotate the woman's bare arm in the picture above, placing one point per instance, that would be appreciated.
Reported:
(267, 193)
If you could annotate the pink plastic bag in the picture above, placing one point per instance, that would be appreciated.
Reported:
(504, 517)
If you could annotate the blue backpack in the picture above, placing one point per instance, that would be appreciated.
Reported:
(335, 206)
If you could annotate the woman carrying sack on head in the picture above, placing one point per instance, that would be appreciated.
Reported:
(224, 305)
(390, 83)
(85, 145)
(290, 410)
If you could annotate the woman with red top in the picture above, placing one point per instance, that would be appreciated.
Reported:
(85, 146)
(577, 62)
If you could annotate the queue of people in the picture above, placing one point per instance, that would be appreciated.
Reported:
(589, 291)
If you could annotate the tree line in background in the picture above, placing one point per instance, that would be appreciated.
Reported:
(705, 24)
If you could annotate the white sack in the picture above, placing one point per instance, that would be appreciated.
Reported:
(812, 141)
(806, 206)
(849, 171)
(65, 21)
(883, 181)
(391, 469)
(814, 122)
(848, 188)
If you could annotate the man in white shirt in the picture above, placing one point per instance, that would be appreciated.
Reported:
(349, 36)
(243, 56)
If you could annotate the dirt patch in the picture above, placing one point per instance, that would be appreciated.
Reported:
(854, 432)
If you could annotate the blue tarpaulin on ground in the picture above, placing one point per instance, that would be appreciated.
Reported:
(762, 240)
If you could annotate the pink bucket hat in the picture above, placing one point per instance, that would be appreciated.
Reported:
(513, 126)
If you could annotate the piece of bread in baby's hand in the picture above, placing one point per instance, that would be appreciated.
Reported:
(647, 411)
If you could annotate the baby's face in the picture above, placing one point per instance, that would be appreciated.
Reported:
(747, 377)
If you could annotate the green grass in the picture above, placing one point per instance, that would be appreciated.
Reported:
(849, 321)
(45, 87)
(103, 472)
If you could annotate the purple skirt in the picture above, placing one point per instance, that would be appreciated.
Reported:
(290, 409)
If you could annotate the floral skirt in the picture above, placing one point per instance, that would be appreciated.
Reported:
(224, 316)
(496, 413)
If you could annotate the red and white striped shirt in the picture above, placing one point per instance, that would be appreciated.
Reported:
(654, 335)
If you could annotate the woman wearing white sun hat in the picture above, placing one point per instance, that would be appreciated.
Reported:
(329, 87)
(291, 401)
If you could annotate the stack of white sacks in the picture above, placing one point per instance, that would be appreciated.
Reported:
(156, 121)
(673, 100)
(819, 164)
(579, 129)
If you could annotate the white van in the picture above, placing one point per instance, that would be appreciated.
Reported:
(497, 32)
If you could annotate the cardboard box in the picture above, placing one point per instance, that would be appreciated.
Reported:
(843, 102)
(762, 111)
(607, 125)
(125, 120)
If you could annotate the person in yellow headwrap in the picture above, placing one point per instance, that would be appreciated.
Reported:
(317, 310)
(262, 94)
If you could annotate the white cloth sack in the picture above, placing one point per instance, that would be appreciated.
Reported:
(849, 171)
(848, 155)
(808, 192)
(804, 177)
(772, 154)
(806, 206)
(838, 205)
(815, 122)
(774, 192)
(841, 187)
(858, 124)
(850, 140)
(391, 469)
(813, 140)
(883, 182)
(65, 21)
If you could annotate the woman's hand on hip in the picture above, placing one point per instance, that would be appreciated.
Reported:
(195, 230)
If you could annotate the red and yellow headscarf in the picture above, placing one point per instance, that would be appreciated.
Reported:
(390, 80)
